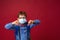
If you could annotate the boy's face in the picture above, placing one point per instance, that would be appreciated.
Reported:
(22, 19)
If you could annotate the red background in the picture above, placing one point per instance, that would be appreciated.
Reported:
(45, 10)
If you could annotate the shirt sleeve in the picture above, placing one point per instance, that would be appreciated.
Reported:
(9, 26)
(35, 23)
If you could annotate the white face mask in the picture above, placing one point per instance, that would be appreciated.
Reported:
(22, 21)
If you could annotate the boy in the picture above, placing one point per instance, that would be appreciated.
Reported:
(21, 26)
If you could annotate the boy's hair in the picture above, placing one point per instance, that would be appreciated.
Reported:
(22, 13)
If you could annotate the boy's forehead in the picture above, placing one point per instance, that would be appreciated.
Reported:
(21, 15)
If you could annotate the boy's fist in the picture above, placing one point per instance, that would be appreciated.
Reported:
(30, 21)
(15, 22)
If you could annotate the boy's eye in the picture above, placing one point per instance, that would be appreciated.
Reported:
(23, 17)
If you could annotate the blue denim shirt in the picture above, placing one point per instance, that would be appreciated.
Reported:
(22, 33)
